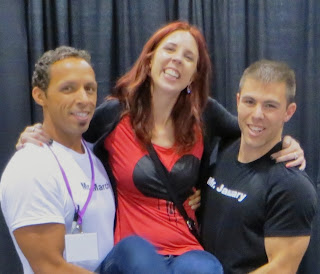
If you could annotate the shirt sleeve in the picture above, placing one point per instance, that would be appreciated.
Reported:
(30, 195)
(291, 205)
(219, 121)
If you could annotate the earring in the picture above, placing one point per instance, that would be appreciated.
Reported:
(188, 89)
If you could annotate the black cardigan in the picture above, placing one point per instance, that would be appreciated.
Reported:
(218, 123)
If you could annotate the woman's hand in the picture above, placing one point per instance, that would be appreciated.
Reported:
(292, 152)
(33, 134)
(195, 199)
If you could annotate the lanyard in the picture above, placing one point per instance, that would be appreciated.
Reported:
(78, 215)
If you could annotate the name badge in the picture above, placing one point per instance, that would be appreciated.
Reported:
(81, 247)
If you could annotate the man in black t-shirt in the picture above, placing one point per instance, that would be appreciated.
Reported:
(257, 213)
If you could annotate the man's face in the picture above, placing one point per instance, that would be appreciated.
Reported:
(262, 112)
(70, 100)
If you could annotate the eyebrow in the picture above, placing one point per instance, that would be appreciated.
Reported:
(68, 82)
(265, 102)
(272, 102)
(71, 82)
(92, 83)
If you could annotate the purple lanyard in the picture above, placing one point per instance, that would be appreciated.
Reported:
(78, 213)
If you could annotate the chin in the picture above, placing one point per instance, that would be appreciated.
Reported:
(80, 129)
(84, 124)
(254, 143)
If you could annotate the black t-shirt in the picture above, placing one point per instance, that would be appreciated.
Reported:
(243, 203)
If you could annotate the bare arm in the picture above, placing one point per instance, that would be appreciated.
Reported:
(284, 254)
(43, 247)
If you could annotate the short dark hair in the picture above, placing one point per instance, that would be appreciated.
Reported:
(269, 71)
(41, 73)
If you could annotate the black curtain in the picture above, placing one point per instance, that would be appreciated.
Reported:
(238, 32)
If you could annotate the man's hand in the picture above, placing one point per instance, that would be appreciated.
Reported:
(195, 199)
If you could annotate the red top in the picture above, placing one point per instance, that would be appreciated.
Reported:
(140, 211)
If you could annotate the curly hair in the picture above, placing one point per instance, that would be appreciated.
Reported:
(41, 73)
(133, 90)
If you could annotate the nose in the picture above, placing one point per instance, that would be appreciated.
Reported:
(258, 112)
(177, 57)
(82, 95)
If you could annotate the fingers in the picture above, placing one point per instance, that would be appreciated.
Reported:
(300, 161)
(196, 206)
(19, 145)
(34, 127)
(196, 194)
(291, 152)
(195, 199)
(25, 139)
(33, 134)
(303, 165)
(293, 159)
(285, 156)
(286, 141)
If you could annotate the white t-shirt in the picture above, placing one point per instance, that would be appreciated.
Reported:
(33, 192)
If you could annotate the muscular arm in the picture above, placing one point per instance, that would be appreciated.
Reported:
(291, 207)
(43, 247)
(284, 254)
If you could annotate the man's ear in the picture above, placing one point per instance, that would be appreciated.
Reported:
(238, 99)
(39, 96)
(291, 109)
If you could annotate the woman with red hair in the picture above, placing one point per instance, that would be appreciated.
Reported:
(162, 101)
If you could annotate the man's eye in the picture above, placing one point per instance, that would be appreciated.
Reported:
(270, 106)
(67, 89)
(248, 102)
(91, 89)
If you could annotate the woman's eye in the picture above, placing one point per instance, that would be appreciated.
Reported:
(169, 49)
(189, 58)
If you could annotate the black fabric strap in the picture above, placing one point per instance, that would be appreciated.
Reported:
(165, 178)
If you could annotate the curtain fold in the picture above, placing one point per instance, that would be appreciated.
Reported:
(15, 104)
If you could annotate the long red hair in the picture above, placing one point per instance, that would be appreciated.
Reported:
(133, 90)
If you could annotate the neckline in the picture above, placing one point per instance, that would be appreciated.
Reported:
(74, 153)
(275, 148)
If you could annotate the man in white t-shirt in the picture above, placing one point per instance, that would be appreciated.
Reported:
(45, 189)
